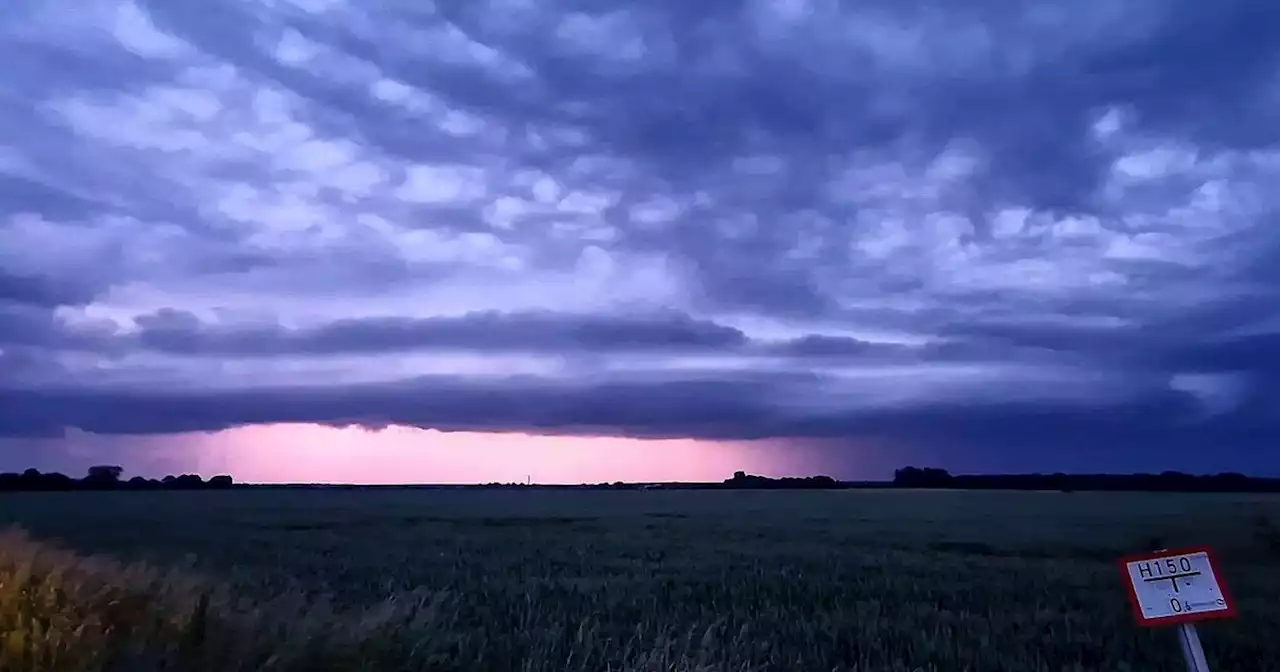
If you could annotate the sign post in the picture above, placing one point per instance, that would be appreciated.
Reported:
(1192, 652)
(1178, 587)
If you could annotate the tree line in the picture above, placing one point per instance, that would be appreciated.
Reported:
(1167, 481)
(107, 477)
(917, 477)
(111, 478)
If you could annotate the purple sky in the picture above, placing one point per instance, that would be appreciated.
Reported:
(679, 237)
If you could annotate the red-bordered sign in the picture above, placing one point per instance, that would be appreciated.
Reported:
(1180, 585)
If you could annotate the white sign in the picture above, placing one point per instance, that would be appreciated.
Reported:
(1176, 587)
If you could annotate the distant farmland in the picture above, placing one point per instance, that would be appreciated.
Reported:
(564, 580)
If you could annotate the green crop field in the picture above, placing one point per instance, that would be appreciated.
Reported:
(526, 580)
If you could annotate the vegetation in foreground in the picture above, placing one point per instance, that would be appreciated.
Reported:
(627, 581)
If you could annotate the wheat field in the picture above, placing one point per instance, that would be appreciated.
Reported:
(575, 580)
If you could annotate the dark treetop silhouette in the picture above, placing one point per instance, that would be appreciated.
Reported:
(108, 478)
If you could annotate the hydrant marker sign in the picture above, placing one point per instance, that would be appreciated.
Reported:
(1176, 586)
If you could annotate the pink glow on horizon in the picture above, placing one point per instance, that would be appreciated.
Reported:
(320, 454)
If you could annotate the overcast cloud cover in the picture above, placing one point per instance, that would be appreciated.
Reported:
(1001, 227)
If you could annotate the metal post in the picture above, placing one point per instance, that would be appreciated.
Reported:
(1192, 652)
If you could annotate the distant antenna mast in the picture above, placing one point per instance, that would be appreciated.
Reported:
(528, 480)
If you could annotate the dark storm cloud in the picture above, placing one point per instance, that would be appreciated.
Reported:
(182, 333)
(1073, 437)
(41, 291)
(832, 346)
(1257, 354)
(924, 220)
(741, 406)
(666, 332)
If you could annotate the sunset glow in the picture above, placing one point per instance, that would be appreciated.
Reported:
(294, 453)
(309, 453)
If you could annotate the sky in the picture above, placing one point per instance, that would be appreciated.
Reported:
(591, 240)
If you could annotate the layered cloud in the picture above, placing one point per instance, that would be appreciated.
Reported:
(1006, 225)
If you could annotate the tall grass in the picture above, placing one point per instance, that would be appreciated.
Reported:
(61, 612)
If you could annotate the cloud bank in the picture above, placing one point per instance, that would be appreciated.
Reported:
(1016, 226)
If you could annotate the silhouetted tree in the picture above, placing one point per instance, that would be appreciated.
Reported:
(56, 481)
(103, 477)
(915, 477)
(188, 482)
(106, 473)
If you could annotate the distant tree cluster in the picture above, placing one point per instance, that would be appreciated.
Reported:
(744, 481)
(1168, 481)
(107, 477)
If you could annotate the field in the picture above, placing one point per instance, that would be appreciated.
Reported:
(543, 580)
